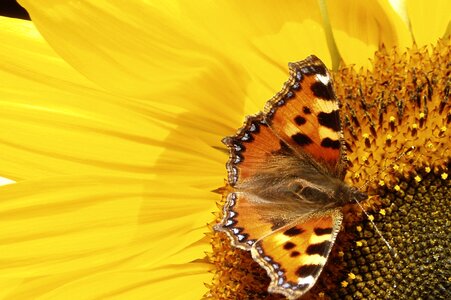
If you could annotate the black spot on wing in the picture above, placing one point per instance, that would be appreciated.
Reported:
(322, 231)
(314, 69)
(306, 110)
(300, 120)
(295, 254)
(330, 120)
(289, 245)
(320, 248)
(301, 139)
(293, 231)
(322, 91)
(329, 143)
(308, 270)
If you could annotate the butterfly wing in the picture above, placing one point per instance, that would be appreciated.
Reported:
(283, 168)
(247, 218)
(305, 114)
(294, 255)
(250, 149)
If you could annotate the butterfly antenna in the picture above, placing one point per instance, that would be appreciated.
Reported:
(370, 218)
(392, 250)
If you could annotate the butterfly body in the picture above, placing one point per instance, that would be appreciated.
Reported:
(286, 170)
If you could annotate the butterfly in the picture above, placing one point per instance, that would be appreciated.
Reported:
(285, 172)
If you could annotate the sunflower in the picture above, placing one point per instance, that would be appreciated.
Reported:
(112, 117)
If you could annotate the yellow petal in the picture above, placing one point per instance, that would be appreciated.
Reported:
(294, 41)
(5, 181)
(64, 125)
(361, 27)
(37, 141)
(429, 20)
(156, 284)
(193, 277)
(150, 47)
(399, 6)
(54, 121)
(261, 38)
(132, 48)
(60, 231)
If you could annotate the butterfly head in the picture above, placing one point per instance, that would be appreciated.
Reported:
(357, 195)
(345, 194)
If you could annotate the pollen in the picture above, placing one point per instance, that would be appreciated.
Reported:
(358, 228)
(371, 217)
(397, 188)
(417, 178)
(382, 211)
(359, 243)
(344, 283)
(351, 276)
(427, 169)
(381, 182)
(414, 91)
(444, 176)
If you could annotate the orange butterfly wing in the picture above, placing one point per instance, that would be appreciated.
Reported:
(242, 220)
(295, 143)
(250, 149)
(305, 114)
(245, 214)
(295, 254)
